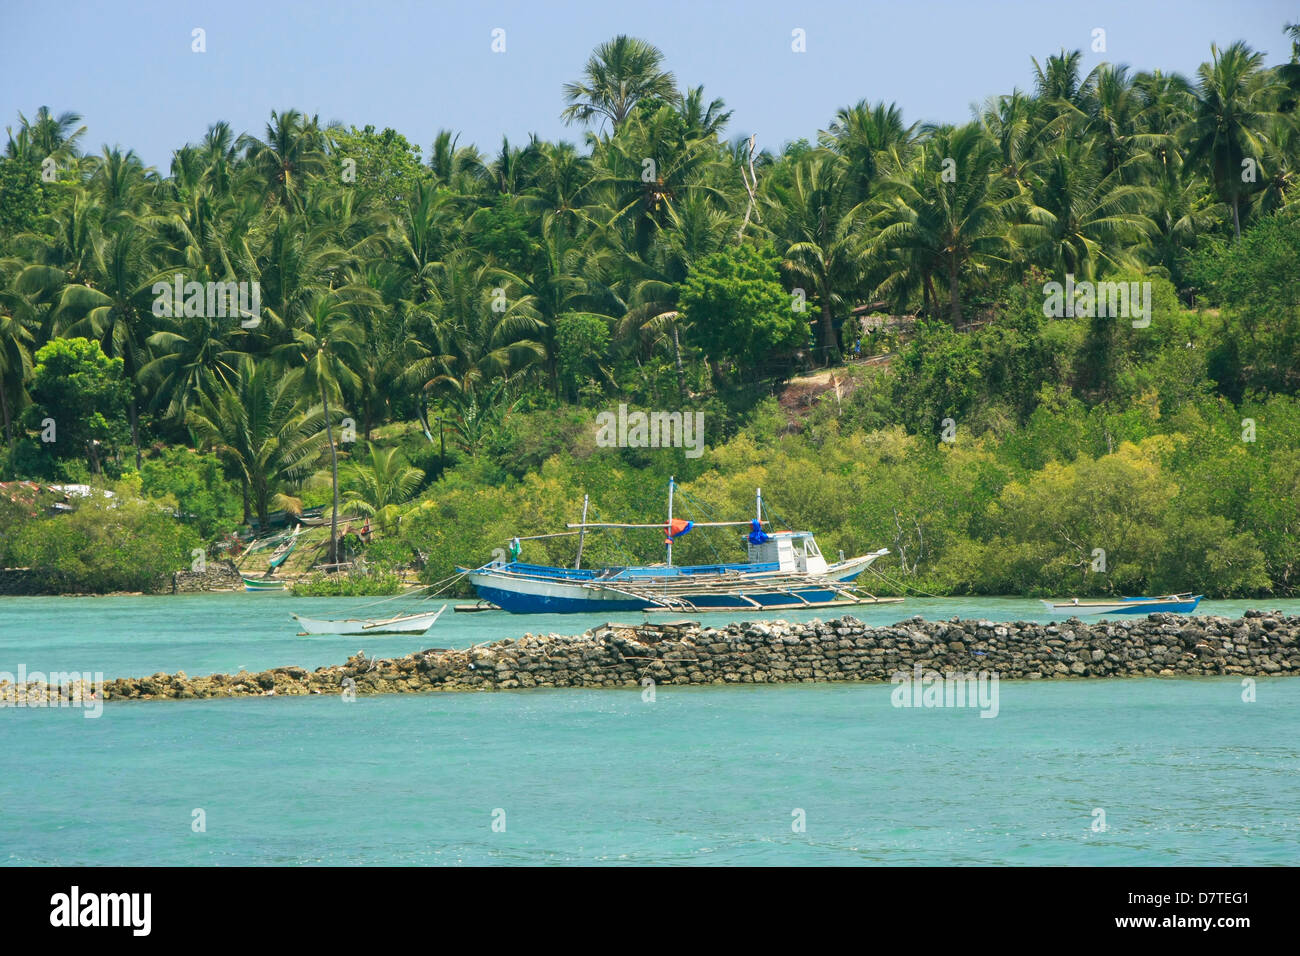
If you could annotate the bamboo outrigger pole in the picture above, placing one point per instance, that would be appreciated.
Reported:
(612, 524)
(672, 483)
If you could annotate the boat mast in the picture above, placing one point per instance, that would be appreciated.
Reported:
(758, 504)
(581, 534)
(669, 535)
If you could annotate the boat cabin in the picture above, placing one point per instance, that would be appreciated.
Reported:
(790, 551)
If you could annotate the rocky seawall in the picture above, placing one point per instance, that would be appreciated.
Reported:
(216, 576)
(613, 655)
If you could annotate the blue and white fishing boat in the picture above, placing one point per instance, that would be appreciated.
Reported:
(785, 569)
(1172, 603)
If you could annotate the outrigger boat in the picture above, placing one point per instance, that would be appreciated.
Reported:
(401, 624)
(281, 554)
(263, 584)
(278, 557)
(1172, 603)
(785, 569)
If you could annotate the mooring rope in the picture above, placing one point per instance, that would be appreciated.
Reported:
(903, 585)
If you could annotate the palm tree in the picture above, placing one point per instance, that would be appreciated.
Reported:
(1113, 122)
(869, 137)
(261, 427)
(816, 222)
(1289, 73)
(951, 213)
(1084, 216)
(1059, 85)
(326, 344)
(460, 169)
(292, 152)
(115, 305)
(561, 186)
(559, 286)
(48, 136)
(650, 310)
(381, 485)
(121, 183)
(702, 120)
(473, 340)
(1184, 208)
(620, 73)
(17, 317)
(191, 353)
(1231, 115)
(647, 169)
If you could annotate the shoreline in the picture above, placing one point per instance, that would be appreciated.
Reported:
(1258, 644)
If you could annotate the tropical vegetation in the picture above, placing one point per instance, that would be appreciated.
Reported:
(431, 337)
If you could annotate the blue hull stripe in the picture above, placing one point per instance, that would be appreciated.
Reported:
(517, 603)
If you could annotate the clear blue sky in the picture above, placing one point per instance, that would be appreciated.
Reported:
(128, 68)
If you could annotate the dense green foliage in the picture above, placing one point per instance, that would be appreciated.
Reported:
(353, 583)
(78, 409)
(431, 338)
(118, 543)
(736, 307)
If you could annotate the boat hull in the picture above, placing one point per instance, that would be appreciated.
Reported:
(1176, 604)
(254, 584)
(562, 591)
(407, 624)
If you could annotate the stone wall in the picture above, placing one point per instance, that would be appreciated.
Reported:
(1161, 645)
(219, 575)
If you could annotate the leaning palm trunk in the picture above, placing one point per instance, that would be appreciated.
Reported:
(954, 294)
(4, 409)
(677, 356)
(334, 468)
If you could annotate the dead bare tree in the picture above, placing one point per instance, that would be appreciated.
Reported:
(751, 187)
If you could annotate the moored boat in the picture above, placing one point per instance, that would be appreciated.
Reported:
(400, 624)
(263, 584)
(1173, 603)
(785, 569)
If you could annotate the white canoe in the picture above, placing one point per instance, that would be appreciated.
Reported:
(403, 624)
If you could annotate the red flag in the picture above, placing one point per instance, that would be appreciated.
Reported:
(676, 528)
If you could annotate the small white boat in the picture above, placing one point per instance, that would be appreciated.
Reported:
(402, 624)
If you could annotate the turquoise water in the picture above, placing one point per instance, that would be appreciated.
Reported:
(1185, 771)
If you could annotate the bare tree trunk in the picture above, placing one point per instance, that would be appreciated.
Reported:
(334, 467)
(751, 184)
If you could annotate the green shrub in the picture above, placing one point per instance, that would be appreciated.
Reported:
(119, 543)
(349, 584)
(193, 484)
